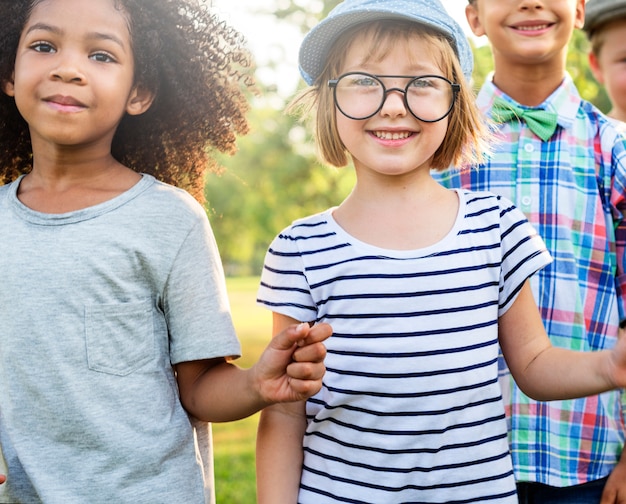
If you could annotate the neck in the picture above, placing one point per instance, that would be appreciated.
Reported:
(618, 114)
(59, 185)
(398, 217)
(528, 85)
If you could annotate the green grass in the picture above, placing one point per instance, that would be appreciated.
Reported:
(234, 442)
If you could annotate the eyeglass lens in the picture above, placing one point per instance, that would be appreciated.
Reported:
(360, 96)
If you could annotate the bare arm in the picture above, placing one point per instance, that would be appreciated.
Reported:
(547, 373)
(279, 452)
(290, 369)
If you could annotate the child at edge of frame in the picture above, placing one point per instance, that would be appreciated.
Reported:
(422, 284)
(605, 25)
(563, 164)
(116, 336)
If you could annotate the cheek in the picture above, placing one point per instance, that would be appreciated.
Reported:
(350, 131)
(25, 79)
(614, 75)
(343, 125)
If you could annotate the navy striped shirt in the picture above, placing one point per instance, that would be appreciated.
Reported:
(410, 410)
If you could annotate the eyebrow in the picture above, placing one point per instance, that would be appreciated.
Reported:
(90, 35)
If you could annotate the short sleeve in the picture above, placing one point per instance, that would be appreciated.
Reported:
(196, 302)
(523, 253)
(284, 287)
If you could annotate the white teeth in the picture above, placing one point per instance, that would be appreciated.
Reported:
(387, 135)
(532, 28)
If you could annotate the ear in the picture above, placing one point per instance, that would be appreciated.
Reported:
(139, 100)
(9, 87)
(580, 14)
(595, 68)
(473, 19)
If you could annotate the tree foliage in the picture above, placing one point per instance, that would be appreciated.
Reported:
(273, 179)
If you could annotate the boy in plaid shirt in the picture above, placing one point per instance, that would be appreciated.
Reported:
(564, 165)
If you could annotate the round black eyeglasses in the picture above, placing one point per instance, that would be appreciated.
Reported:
(360, 95)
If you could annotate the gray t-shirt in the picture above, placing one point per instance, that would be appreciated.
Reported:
(95, 307)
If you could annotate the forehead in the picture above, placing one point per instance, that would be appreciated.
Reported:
(548, 3)
(374, 44)
(77, 17)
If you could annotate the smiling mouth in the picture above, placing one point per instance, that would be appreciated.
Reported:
(534, 27)
(388, 135)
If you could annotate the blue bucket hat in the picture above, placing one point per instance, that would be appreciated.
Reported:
(431, 13)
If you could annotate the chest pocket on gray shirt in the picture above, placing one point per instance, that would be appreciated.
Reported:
(119, 337)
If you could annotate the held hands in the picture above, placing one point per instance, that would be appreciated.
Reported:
(292, 366)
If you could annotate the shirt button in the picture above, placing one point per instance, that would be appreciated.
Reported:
(529, 147)
(526, 200)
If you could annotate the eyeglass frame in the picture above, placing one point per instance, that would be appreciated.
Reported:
(456, 89)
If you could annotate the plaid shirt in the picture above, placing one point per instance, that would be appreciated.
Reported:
(572, 189)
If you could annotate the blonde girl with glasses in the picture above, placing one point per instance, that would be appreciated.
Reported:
(422, 285)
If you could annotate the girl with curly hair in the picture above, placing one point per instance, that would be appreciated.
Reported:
(115, 333)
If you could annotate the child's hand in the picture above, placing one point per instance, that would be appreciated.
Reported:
(292, 366)
(615, 489)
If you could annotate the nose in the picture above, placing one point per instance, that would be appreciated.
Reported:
(394, 104)
(531, 4)
(68, 69)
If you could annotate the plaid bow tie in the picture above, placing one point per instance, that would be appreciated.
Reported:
(541, 122)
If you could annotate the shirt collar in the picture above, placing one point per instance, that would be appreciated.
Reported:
(564, 101)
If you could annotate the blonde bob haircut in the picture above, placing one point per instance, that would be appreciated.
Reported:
(466, 138)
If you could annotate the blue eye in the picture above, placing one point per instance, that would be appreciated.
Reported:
(361, 80)
(422, 83)
(366, 81)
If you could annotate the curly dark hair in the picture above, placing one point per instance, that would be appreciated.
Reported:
(198, 68)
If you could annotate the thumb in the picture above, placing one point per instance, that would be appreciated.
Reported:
(301, 335)
(294, 334)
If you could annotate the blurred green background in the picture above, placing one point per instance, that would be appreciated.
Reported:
(234, 442)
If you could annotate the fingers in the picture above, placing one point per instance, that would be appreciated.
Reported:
(317, 334)
(307, 370)
(302, 335)
(303, 389)
(295, 357)
(285, 339)
(305, 378)
(312, 352)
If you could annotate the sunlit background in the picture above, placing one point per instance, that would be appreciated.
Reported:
(278, 41)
